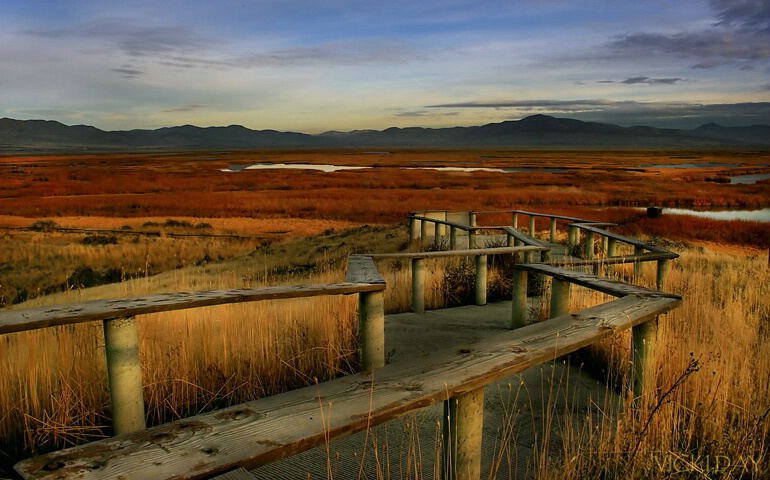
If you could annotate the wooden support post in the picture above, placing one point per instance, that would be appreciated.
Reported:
(414, 229)
(553, 230)
(481, 280)
(371, 328)
(519, 303)
(437, 232)
(574, 235)
(418, 285)
(605, 245)
(471, 238)
(423, 229)
(515, 220)
(559, 298)
(472, 218)
(610, 253)
(509, 240)
(642, 347)
(518, 257)
(661, 277)
(453, 238)
(589, 253)
(463, 430)
(637, 264)
(532, 226)
(124, 370)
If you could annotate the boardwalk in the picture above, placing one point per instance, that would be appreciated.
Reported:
(410, 335)
(512, 398)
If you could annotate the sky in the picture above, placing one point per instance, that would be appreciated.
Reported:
(314, 66)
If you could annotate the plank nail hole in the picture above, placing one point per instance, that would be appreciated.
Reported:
(53, 466)
(210, 450)
(464, 351)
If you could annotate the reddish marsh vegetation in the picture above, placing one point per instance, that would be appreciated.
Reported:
(192, 184)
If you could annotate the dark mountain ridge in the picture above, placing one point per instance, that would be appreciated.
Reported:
(535, 131)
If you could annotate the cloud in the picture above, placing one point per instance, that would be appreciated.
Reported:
(128, 72)
(628, 113)
(650, 81)
(739, 36)
(185, 108)
(424, 113)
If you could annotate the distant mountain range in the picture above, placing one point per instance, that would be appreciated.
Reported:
(536, 131)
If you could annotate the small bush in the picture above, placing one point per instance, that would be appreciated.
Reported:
(43, 226)
(100, 240)
(178, 223)
(86, 277)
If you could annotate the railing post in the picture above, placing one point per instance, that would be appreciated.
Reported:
(124, 370)
(637, 264)
(573, 240)
(414, 229)
(463, 431)
(453, 238)
(418, 285)
(437, 232)
(481, 279)
(509, 240)
(589, 253)
(532, 226)
(515, 220)
(559, 297)
(424, 228)
(519, 303)
(371, 327)
(553, 230)
(472, 218)
(662, 271)
(472, 238)
(642, 345)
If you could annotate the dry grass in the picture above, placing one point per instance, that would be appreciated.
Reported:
(708, 415)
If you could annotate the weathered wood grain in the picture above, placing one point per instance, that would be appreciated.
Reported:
(255, 433)
(604, 285)
(527, 239)
(42, 317)
(361, 269)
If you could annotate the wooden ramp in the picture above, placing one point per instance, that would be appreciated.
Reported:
(257, 433)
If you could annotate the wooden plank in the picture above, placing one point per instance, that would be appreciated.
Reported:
(516, 233)
(461, 253)
(361, 269)
(67, 314)
(604, 285)
(258, 432)
(237, 474)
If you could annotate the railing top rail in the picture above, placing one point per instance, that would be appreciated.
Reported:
(605, 285)
(518, 234)
(630, 240)
(474, 252)
(523, 212)
(361, 269)
(255, 433)
(68, 314)
(538, 214)
(442, 222)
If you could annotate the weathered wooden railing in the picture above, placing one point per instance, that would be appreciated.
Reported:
(264, 430)
(122, 342)
(418, 268)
